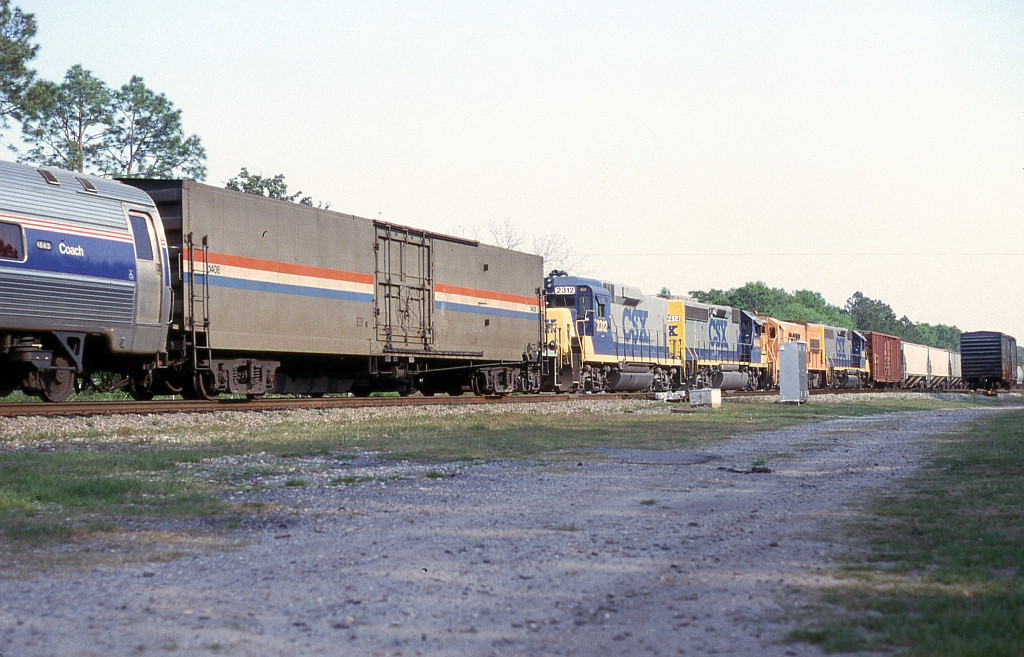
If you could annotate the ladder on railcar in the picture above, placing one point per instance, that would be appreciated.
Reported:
(197, 319)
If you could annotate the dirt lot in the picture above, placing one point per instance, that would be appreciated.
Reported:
(625, 552)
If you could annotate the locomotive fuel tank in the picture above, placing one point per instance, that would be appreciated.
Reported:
(630, 378)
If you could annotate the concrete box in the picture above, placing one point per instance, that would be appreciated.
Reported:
(706, 397)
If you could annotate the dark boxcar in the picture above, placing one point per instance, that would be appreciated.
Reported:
(83, 280)
(275, 296)
(885, 359)
(988, 359)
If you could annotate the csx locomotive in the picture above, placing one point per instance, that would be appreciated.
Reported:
(175, 287)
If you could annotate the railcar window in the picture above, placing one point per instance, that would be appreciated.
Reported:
(10, 242)
(143, 241)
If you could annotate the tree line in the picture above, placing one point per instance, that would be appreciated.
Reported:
(861, 312)
(83, 124)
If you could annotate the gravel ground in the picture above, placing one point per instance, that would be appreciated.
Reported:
(627, 552)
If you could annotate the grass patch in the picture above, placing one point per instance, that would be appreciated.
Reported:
(543, 433)
(55, 495)
(64, 489)
(348, 480)
(945, 572)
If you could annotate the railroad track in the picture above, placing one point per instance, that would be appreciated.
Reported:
(167, 406)
(160, 407)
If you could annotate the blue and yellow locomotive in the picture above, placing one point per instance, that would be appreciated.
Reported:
(721, 346)
(846, 355)
(605, 337)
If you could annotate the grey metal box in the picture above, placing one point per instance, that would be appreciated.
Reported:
(793, 372)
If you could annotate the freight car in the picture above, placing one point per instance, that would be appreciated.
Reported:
(926, 367)
(606, 337)
(885, 359)
(988, 360)
(945, 368)
(84, 280)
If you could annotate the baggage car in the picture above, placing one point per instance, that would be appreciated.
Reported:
(272, 296)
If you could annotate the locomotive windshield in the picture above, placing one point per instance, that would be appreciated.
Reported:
(562, 296)
(560, 301)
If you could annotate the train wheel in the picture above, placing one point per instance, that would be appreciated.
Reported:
(140, 394)
(140, 386)
(203, 386)
(58, 384)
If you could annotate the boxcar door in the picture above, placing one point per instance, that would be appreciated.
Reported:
(404, 291)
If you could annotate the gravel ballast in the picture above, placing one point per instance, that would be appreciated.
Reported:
(623, 552)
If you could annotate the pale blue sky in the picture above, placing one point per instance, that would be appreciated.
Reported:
(832, 146)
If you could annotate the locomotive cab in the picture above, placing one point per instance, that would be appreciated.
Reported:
(584, 305)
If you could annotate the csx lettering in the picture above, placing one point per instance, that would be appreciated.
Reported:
(717, 329)
(76, 251)
(634, 325)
